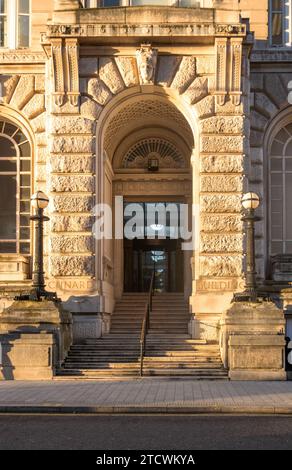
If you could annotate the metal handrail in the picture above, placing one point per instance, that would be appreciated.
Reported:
(145, 324)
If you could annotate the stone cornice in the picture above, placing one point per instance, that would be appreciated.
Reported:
(271, 55)
(202, 29)
(22, 57)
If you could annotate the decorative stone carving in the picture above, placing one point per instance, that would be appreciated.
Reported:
(90, 109)
(197, 90)
(71, 265)
(221, 70)
(77, 144)
(220, 223)
(128, 70)
(110, 75)
(221, 203)
(72, 51)
(72, 244)
(223, 125)
(71, 164)
(222, 164)
(99, 91)
(236, 64)
(222, 144)
(76, 183)
(165, 152)
(221, 266)
(72, 203)
(24, 91)
(185, 75)
(167, 66)
(220, 183)
(58, 72)
(71, 223)
(212, 243)
(147, 61)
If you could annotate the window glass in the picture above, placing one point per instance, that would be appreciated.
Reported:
(3, 23)
(23, 6)
(23, 30)
(15, 190)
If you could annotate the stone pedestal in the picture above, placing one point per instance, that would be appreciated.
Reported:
(252, 341)
(35, 338)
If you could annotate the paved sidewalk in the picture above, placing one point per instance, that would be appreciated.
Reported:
(146, 396)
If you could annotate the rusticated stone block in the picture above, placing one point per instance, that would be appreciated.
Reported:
(256, 138)
(40, 81)
(24, 91)
(274, 88)
(220, 183)
(41, 139)
(71, 125)
(258, 121)
(211, 243)
(35, 106)
(72, 244)
(41, 173)
(128, 70)
(99, 91)
(185, 75)
(42, 154)
(264, 105)
(205, 107)
(88, 66)
(72, 223)
(72, 203)
(197, 90)
(68, 144)
(72, 265)
(90, 109)
(220, 223)
(8, 87)
(229, 108)
(76, 183)
(223, 125)
(221, 164)
(167, 66)
(39, 123)
(222, 144)
(221, 203)
(205, 64)
(110, 75)
(221, 266)
(71, 164)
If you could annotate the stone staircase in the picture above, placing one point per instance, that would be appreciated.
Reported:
(170, 352)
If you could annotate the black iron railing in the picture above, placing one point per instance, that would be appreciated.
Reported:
(145, 323)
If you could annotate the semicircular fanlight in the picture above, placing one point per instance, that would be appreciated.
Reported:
(167, 154)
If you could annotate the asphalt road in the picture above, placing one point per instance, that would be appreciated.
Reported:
(145, 432)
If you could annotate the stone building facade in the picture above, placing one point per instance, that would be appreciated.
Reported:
(87, 85)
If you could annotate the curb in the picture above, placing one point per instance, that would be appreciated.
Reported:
(167, 410)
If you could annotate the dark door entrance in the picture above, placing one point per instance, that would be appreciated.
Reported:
(156, 248)
(142, 257)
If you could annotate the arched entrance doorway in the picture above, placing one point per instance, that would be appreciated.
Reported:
(147, 144)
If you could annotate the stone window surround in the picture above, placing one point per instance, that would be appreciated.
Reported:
(286, 24)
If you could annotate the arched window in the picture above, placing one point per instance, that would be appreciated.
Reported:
(15, 189)
(280, 184)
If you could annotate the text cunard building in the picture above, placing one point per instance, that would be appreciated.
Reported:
(146, 102)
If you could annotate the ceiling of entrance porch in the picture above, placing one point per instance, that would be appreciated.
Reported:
(142, 114)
